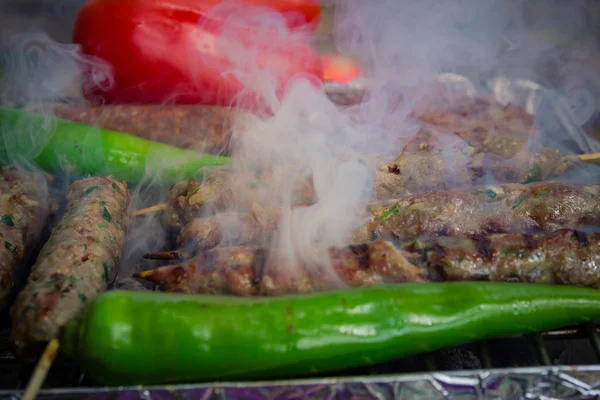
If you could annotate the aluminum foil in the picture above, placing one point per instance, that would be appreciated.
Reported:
(525, 383)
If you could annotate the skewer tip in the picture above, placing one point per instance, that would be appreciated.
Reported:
(144, 274)
(591, 157)
(165, 255)
(150, 210)
(41, 370)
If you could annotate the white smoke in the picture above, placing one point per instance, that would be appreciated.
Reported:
(403, 46)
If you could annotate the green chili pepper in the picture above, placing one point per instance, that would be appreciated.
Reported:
(57, 145)
(127, 338)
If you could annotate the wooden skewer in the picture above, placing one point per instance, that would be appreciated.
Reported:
(143, 274)
(152, 209)
(592, 157)
(41, 370)
(165, 255)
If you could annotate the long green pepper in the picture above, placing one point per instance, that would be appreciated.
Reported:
(128, 338)
(58, 146)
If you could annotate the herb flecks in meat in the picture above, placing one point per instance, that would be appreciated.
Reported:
(8, 220)
(24, 206)
(76, 263)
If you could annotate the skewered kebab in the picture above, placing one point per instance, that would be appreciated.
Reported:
(414, 173)
(208, 128)
(24, 208)
(410, 174)
(562, 257)
(477, 120)
(510, 208)
(252, 271)
(202, 128)
(246, 228)
(76, 264)
(222, 190)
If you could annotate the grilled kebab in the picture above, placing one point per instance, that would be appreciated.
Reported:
(222, 190)
(208, 128)
(410, 175)
(24, 208)
(76, 263)
(509, 208)
(564, 256)
(251, 271)
(561, 257)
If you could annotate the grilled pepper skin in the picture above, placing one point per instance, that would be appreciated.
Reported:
(127, 338)
(59, 146)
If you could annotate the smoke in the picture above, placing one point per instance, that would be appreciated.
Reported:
(37, 70)
(296, 133)
(404, 47)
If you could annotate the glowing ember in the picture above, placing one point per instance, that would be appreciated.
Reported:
(340, 69)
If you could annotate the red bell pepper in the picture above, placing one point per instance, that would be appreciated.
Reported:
(196, 51)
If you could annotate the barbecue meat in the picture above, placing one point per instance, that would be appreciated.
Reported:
(460, 165)
(475, 119)
(230, 228)
(78, 261)
(510, 208)
(411, 174)
(222, 190)
(565, 256)
(252, 271)
(202, 128)
(24, 208)
(199, 127)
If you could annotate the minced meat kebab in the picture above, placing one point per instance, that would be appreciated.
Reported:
(76, 263)
(508, 208)
(409, 175)
(561, 257)
(24, 210)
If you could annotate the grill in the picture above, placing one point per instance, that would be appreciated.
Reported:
(558, 364)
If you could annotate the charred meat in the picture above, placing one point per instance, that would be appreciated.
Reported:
(78, 261)
(24, 208)
(254, 271)
(564, 256)
(561, 257)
